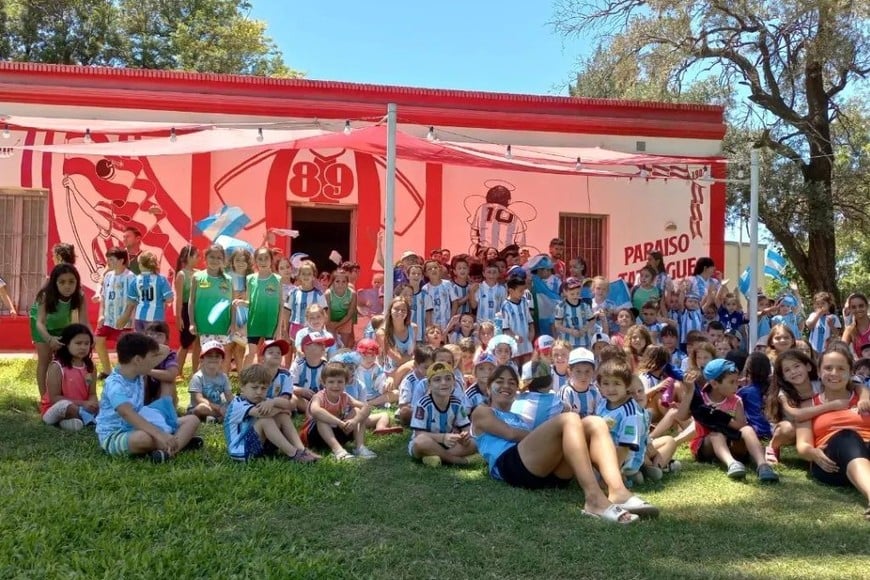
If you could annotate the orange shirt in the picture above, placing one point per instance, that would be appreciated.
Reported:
(828, 424)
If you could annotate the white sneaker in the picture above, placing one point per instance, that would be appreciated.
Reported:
(364, 453)
(71, 425)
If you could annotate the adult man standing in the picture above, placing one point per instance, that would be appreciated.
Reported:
(133, 243)
(557, 255)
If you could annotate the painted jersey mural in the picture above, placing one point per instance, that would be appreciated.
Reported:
(496, 221)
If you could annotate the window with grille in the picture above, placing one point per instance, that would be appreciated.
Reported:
(584, 237)
(23, 241)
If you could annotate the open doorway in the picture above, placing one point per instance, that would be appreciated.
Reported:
(322, 230)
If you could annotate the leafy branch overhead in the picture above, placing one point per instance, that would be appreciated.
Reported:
(195, 35)
(791, 74)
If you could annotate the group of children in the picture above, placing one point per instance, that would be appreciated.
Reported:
(661, 371)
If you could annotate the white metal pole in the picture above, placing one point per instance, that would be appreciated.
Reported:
(753, 249)
(390, 210)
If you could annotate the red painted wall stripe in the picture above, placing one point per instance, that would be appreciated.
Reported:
(717, 215)
(433, 208)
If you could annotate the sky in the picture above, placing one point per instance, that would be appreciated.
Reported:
(488, 45)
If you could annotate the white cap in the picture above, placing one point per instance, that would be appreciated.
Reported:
(581, 355)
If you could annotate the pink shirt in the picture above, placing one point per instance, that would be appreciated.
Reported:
(74, 386)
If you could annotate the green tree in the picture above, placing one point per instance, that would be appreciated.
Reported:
(792, 59)
(195, 35)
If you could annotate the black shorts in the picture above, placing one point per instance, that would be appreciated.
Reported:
(513, 472)
(315, 441)
(184, 335)
(705, 452)
(254, 339)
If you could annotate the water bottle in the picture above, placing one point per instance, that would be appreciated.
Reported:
(498, 323)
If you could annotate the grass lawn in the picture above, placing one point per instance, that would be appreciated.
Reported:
(70, 511)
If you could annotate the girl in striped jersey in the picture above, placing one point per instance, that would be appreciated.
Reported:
(561, 349)
(302, 296)
(691, 315)
(150, 294)
(518, 319)
(398, 336)
(421, 305)
(574, 318)
(487, 297)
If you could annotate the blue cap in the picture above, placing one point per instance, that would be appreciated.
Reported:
(789, 300)
(350, 357)
(539, 262)
(517, 272)
(718, 367)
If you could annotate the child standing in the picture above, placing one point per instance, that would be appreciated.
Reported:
(459, 290)
(487, 297)
(112, 319)
(51, 312)
(150, 295)
(517, 318)
(255, 427)
(266, 317)
(440, 422)
(209, 388)
(188, 258)
(438, 293)
(721, 431)
(334, 418)
(125, 425)
(341, 300)
(581, 396)
(574, 320)
(211, 296)
(303, 295)
(823, 324)
(241, 266)
(70, 399)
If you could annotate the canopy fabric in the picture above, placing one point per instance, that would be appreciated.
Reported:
(95, 126)
(373, 140)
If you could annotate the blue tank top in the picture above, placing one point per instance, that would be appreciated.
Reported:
(406, 346)
(491, 446)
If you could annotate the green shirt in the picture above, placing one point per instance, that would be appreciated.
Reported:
(214, 296)
(55, 321)
(643, 295)
(264, 299)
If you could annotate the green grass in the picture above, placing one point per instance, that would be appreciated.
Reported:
(69, 511)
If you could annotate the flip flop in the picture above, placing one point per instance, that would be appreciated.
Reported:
(613, 514)
(640, 507)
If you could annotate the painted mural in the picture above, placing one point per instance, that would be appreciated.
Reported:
(495, 220)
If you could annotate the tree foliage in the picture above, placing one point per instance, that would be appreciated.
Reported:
(791, 65)
(194, 35)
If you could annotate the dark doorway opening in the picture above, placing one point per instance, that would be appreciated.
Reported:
(322, 230)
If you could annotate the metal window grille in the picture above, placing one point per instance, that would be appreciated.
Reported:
(584, 237)
(23, 241)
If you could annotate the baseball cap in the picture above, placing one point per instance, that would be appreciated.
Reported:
(517, 272)
(212, 346)
(439, 368)
(318, 338)
(693, 296)
(789, 300)
(581, 355)
(600, 337)
(282, 344)
(718, 367)
(572, 283)
(408, 254)
(368, 346)
(535, 369)
(484, 358)
(296, 259)
(502, 339)
(544, 342)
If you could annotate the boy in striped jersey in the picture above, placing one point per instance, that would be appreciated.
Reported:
(619, 409)
(150, 294)
(423, 356)
(114, 316)
(280, 382)
(517, 317)
(478, 393)
(487, 297)
(461, 285)
(440, 422)
(305, 373)
(574, 320)
(421, 304)
(580, 394)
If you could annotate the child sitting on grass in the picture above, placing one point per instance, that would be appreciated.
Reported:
(619, 410)
(70, 399)
(305, 371)
(125, 425)
(272, 352)
(256, 426)
(335, 418)
(721, 431)
(537, 402)
(160, 382)
(440, 422)
(658, 453)
(423, 356)
(209, 387)
(477, 393)
(581, 396)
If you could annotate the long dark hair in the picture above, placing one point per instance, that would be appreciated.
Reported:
(660, 263)
(497, 373)
(702, 264)
(184, 256)
(63, 355)
(48, 294)
(757, 370)
(66, 253)
(785, 387)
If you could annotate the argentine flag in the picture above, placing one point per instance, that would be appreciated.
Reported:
(227, 222)
(743, 283)
(774, 265)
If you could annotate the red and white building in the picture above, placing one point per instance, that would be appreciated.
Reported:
(55, 186)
